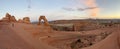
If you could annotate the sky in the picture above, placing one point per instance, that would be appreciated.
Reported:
(61, 9)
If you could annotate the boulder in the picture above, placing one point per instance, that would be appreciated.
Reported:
(26, 20)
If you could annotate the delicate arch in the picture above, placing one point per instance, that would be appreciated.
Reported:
(44, 19)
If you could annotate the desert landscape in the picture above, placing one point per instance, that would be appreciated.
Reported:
(61, 34)
(59, 24)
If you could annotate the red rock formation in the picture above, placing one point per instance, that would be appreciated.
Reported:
(12, 19)
(45, 21)
(20, 21)
(6, 18)
(80, 26)
(26, 20)
(9, 18)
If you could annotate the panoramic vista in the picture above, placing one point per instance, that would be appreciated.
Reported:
(59, 24)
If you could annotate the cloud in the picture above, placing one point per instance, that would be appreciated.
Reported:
(92, 3)
(68, 9)
(79, 9)
(88, 8)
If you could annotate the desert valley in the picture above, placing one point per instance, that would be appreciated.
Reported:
(59, 34)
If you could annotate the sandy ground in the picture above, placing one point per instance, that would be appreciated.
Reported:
(111, 42)
(28, 36)
(10, 40)
(18, 38)
(62, 40)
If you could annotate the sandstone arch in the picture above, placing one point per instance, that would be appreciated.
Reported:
(44, 19)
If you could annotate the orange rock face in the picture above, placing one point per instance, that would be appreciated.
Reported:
(13, 19)
(9, 18)
(44, 19)
(20, 21)
(26, 20)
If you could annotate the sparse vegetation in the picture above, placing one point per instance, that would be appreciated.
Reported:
(89, 40)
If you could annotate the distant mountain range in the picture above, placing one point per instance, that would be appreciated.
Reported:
(83, 20)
